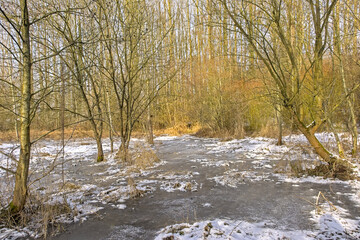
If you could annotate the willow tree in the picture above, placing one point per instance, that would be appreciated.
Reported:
(283, 62)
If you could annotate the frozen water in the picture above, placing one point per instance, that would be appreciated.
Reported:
(230, 190)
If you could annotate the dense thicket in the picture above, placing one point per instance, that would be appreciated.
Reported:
(220, 82)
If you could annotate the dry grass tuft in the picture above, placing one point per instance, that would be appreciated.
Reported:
(270, 129)
(318, 206)
(71, 186)
(7, 136)
(10, 220)
(56, 135)
(169, 238)
(133, 191)
(142, 156)
(204, 132)
(188, 186)
(50, 214)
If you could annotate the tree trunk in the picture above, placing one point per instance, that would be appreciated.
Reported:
(97, 136)
(309, 133)
(20, 191)
(279, 121)
(16, 125)
(100, 155)
(150, 138)
(337, 138)
(124, 149)
(107, 95)
(80, 67)
(353, 127)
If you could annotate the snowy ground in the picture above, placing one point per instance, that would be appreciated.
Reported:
(201, 189)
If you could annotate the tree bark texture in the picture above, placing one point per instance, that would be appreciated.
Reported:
(20, 190)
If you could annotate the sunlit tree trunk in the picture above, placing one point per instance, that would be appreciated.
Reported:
(280, 126)
(15, 104)
(309, 133)
(109, 115)
(21, 177)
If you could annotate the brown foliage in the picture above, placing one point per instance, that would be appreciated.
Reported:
(179, 129)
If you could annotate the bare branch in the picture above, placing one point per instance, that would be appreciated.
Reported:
(8, 170)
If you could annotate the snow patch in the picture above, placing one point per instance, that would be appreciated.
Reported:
(165, 138)
(233, 178)
(228, 229)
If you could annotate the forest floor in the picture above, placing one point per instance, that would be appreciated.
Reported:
(201, 188)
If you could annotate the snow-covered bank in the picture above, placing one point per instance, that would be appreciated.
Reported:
(329, 226)
(75, 181)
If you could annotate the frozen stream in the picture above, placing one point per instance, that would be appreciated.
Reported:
(223, 190)
(253, 195)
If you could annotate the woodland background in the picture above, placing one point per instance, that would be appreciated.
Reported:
(188, 55)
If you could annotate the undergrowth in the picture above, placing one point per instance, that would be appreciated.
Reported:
(207, 132)
(38, 218)
(134, 192)
(340, 169)
(179, 129)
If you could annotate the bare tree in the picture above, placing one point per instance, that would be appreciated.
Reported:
(273, 15)
(71, 30)
(131, 36)
(17, 23)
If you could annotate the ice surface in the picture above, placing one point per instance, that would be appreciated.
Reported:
(88, 187)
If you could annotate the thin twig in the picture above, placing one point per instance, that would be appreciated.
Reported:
(53, 165)
(234, 228)
(8, 170)
(9, 156)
